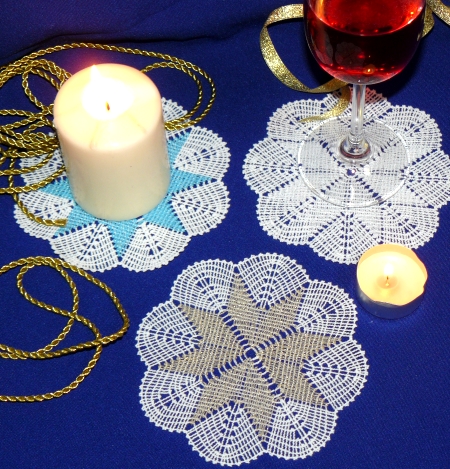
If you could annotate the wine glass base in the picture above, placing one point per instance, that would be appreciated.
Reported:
(349, 182)
(350, 153)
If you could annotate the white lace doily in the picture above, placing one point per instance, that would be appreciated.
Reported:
(250, 358)
(288, 211)
(197, 201)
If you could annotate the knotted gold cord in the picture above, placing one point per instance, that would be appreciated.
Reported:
(279, 69)
(46, 352)
(31, 142)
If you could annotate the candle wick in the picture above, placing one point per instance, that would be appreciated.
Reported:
(387, 281)
(108, 107)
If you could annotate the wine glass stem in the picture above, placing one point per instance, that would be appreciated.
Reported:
(356, 132)
(355, 147)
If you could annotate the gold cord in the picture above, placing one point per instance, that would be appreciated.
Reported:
(33, 142)
(48, 351)
(279, 69)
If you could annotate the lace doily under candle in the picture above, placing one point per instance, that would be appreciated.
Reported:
(197, 201)
(288, 211)
(250, 358)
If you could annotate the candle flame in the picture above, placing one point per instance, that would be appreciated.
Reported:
(388, 271)
(106, 98)
(100, 84)
(96, 76)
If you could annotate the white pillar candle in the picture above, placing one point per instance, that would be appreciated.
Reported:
(391, 281)
(110, 127)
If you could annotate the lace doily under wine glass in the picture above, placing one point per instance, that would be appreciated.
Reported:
(288, 211)
(197, 201)
(250, 358)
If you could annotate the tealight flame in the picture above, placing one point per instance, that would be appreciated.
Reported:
(106, 98)
(388, 271)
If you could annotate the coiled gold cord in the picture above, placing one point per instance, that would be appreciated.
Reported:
(49, 351)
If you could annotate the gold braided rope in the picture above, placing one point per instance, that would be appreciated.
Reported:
(31, 142)
(279, 69)
(48, 351)
(59, 222)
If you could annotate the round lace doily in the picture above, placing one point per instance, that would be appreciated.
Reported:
(288, 211)
(197, 201)
(250, 358)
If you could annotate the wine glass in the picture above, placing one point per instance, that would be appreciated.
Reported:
(361, 42)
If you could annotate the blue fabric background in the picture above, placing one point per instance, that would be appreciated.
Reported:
(401, 419)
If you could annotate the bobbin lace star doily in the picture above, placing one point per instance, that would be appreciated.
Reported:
(288, 211)
(250, 358)
(197, 201)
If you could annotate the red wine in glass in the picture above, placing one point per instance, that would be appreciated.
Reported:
(365, 41)
(362, 42)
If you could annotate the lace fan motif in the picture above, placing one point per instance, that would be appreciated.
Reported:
(250, 358)
(288, 211)
(197, 201)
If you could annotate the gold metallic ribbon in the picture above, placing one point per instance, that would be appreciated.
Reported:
(279, 69)
(440, 10)
(274, 61)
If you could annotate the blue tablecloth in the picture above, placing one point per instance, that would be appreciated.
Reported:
(401, 419)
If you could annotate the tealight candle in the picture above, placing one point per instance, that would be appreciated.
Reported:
(391, 281)
(110, 127)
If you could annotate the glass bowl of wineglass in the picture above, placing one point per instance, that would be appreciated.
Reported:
(361, 42)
